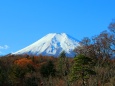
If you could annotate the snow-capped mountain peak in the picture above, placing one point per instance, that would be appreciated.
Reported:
(52, 44)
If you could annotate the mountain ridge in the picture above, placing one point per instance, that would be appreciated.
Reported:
(52, 45)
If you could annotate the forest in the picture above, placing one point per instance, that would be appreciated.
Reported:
(93, 65)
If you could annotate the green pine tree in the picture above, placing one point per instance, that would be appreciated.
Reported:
(82, 69)
(48, 69)
(63, 64)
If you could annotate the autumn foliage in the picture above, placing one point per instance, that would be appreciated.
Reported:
(24, 62)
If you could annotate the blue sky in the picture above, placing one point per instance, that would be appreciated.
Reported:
(23, 22)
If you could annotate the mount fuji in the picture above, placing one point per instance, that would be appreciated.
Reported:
(51, 45)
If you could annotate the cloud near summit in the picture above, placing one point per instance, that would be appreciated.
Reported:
(4, 47)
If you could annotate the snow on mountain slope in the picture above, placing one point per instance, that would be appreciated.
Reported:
(52, 45)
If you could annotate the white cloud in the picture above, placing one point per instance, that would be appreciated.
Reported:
(4, 47)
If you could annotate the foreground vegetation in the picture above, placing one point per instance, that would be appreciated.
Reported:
(49, 71)
(94, 65)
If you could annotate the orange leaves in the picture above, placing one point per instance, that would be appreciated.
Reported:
(24, 62)
(34, 61)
